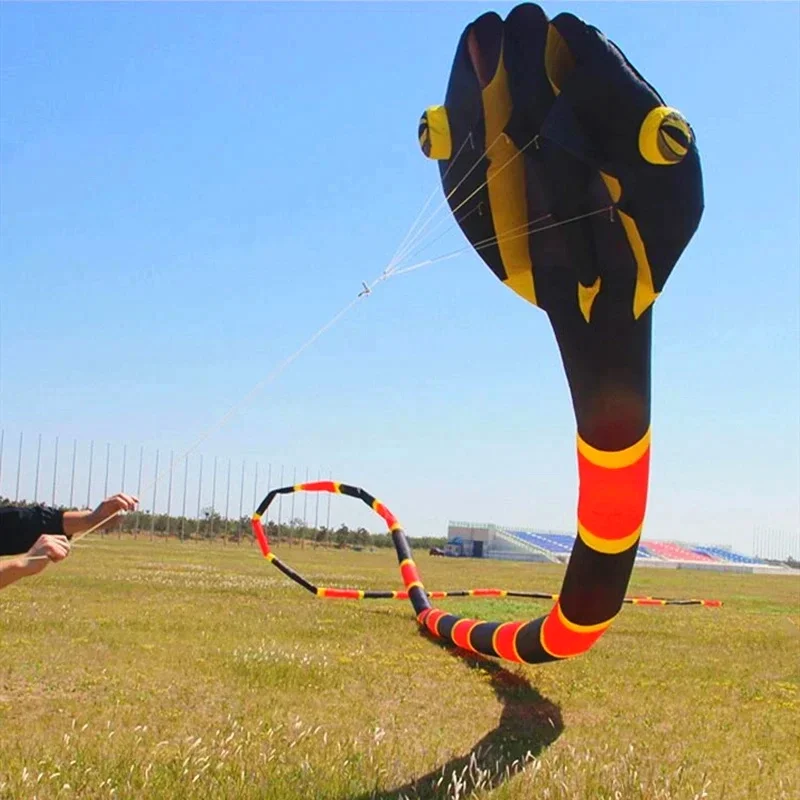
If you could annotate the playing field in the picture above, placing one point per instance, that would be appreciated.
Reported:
(161, 670)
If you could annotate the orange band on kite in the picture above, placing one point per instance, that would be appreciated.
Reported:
(261, 537)
(318, 486)
(612, 500)
(388, 517)
(461, 632)
(432, 620)
(410, 573)
(341, 594)
(563, 639)
(504, 641)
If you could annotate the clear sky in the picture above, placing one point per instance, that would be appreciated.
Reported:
(190, 191)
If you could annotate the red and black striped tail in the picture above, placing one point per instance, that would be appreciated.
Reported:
(570, 628)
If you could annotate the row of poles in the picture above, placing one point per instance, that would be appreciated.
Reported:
(775, 545)
(123, 485)
(767, 543)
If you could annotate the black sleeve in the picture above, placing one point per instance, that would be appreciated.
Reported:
(21, 527)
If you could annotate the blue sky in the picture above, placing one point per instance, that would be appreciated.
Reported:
(190, 191)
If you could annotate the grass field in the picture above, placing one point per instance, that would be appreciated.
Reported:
(161, 670)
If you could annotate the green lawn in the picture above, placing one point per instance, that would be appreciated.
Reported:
(161, 670)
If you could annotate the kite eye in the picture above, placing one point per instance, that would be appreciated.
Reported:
(434, 134)
(665, 136)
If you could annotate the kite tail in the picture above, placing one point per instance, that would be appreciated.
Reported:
(611, 506)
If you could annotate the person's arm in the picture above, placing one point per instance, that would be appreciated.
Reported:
(21, 527)
(75, 522)
(46, 549)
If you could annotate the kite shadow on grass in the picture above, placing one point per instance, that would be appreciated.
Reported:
(528, 724)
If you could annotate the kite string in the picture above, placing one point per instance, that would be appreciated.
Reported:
(419, 234)
(454, 221)
(387, 272)
(297, 353)
(412, 233)
(410, 236)
(232, 410)
(477, 189)
(391, 270)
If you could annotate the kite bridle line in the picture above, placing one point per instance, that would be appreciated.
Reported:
(489, 638)
(413, 235)
(509, 236)
(418, 236)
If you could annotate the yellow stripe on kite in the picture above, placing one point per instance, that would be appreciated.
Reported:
(608, 546)
(645, 294)
(505, 183)
(615, 459)
(573, 626)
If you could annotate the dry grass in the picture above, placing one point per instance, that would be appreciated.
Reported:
(196, 671)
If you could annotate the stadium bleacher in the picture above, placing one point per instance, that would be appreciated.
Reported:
(674, 552)
(561, 544)
(557, 544)
(560, 540)
(727, 556)
(645, 552)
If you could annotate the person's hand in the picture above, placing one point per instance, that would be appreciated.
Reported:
(110, 507)
(47, 548)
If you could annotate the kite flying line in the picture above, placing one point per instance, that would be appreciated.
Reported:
(411, 238)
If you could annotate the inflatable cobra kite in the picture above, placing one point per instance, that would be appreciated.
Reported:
(580, 187)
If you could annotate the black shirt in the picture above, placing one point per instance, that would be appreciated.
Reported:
(21, 527)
